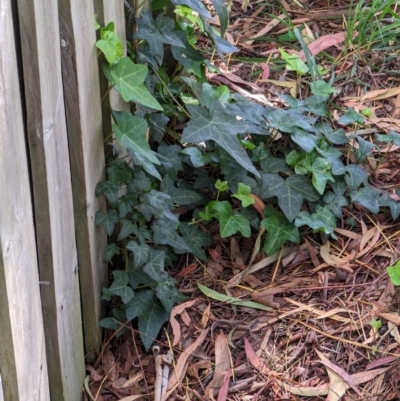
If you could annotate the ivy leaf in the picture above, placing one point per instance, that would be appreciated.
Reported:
(222, 12)
(243, 195)
(195, 5)
(152, 315)
(355, 176)
(171, 159)
(367, 197)
(120, 286)
(335, 202)
(294, 63)
(290, 193)
(214, 124)
(154, 203)
(165, 234)
(140, 253)
(168, 294)
(221, 45)
(131, 134)
(107, 220)
(392, 136)
(106, 294)
(337, 137)
(129, 79)
(231, 223)
(196, 239)
(155, 265)
(119, 171)
(364, 149)
(351, 117)
(179, 196)
(386, 200)
(321, 169)
(110, 44)
(139, 160)
(323, 220)
(196, 156)
(279, 230)
(304, 139)
(111, 250)
(394, 273)
(321, 88)
(127, 229)
(110, 190)
(288, 120)
(141, 183)
(137, 276)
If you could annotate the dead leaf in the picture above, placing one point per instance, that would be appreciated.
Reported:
(236, 255)
(187, 270)
(334, 260)
(323, 43)
(291, 85)
(223, 392)
(109, 364)
(234, 78)
(276, 21)
(266, 71)
(381, 361)
(94, 375)
(392, 317)
(222, 363)
(179, 371)
(176, 328)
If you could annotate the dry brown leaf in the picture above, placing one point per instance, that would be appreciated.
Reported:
(338, 370)
(271, 25)
(396, 111)
(334, 260)
(392, 317)
(381, 361)
(266, 71)
(176, 328)
(187, 270)
(236, 255)
(333, 312)
(133, 397)
(223, 392)
(291, 85)
(234, 78)
(380, 94)
(109, 364)
(205, 317)
(348, 233)
(94, 375)
(222, 363)
(180, 368)
(323, 43)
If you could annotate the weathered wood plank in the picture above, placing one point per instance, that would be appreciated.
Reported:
(51, 178)
(22, 346)
(85, 136)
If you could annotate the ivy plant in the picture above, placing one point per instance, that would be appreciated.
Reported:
(192, 158)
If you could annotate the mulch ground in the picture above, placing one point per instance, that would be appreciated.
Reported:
(332, 329)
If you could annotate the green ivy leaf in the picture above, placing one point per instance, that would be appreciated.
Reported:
(110, 190)
(223, 15)
(168, 294)
(222, 186)
(231, 223)
(364, 149)
(304, 139)
(119, 171)
(120, 286)
(196, 239)
(279, 230)
(107, 220)
(131, 134)
(137, 276)
(127, 229)
(386, 200)
(140, 253)
(321, 169)
(392, 136)
(351, 117)
(335, 203)
(110, 44)
(179, 196)
(321, 88)
(288, 120)
(195, 5)
(106, 294)
(290, 193)
(367, 197)
(152, 315)
(294, 63)
(196, 156)
(394, 273)
(243, 195)
(214, 124)
(129, 79)
(165, 234)
(154, 203)
(355, 176)
(155, 265)
(323, 220)
(111, 250)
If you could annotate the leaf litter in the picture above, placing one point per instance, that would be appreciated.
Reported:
(315, 338)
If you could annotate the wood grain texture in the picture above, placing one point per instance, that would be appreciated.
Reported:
(51, 178)
(22, 345)
(85, 136)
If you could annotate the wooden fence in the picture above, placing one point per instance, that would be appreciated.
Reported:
(51, 158)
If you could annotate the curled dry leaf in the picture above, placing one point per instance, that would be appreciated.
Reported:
(176, 328)
(323, 43)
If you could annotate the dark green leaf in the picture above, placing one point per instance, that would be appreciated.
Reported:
(337, 137)
(131, 134)
(155, 266)
(196, 239)
(216, 125)
(120, 286)
(222, 12)
(231, 223)
(165, 234)
(119, 171)
(367, 197)
(168, 294)
(107, 220)
(304, 139)
(127, 229)
(110, 190)
(152, 315)
(351, 117)
(335, 203)
(392, 136)
(394, 205)
(196, 156)
(279, 230)
(179, 196)
(171, 159)
(140, 253)
(154, 203)
(222, 46)
(111, 250)
(323, 220)
(288, 120)
(321, 169)
(364, 149)
(355, 176)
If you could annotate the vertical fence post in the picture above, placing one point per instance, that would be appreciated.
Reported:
(51, 179)
(85, 136)
(23, 367)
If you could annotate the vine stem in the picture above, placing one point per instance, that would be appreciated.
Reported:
(169, 92)
(107, 92)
